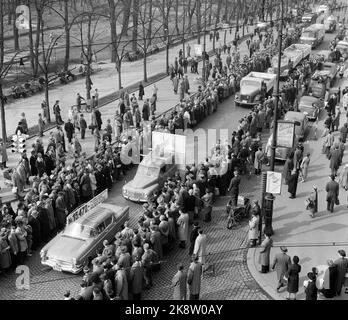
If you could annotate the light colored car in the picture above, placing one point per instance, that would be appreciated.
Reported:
(70, 249)
(152, 172)
(311, 107)
(301, 131)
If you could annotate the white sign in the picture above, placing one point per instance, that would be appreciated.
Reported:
(274, 182)
(198, 50)
(80, 211)
(285, 134)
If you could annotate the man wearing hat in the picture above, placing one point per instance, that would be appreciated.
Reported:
(194, 276)
(332, 189)
(179, 283)
(342, 269)
(282, 263)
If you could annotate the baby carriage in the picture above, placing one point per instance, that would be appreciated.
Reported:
(238, 213)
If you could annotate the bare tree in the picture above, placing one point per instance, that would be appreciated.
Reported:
(146, 17)
(126, 10)
(135, 24)
(4, 70)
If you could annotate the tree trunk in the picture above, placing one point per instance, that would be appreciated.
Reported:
(119, 74)
(149, 34)
(135, 25)
(3, 120)
(176, 16)
(67, 35)
(127, 5)
(199, 21)
(15, 30)
(113, 30)
(217, 20)
(145, 66)
(37, 41)
(47, 99)
(211, 12)
(89, 59)
(31, 42)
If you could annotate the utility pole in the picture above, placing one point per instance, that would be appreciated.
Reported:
(204, 42)
(167, 48)
(183, 27)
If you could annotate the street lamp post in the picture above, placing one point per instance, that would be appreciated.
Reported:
(204, 42)
(183, 28)
(270, 198)
(167, 49)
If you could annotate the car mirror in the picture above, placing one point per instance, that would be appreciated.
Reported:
(297, 123)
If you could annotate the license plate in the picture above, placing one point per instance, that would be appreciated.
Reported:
(244, 101)
(57, 267)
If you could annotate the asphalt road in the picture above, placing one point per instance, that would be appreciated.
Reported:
(234, 276)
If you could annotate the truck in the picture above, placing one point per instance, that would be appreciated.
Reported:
(330, 24)
(323, 79)
(309, 17)
(250, 88)
(294, 53)
(313, 35)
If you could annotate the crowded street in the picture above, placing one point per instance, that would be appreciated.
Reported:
(236, 135)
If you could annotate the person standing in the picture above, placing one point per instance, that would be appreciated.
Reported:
(259, 156)
(183, 223)
(282, 264)
(136, 278)
(292, 187)
(293, 277)
(200, 249)
(253, 229)
(335, 159)
(312, 202)
(3, 153)
(41, 124)
(264, 257)
(342, 269)
(311, 289)
(175, 84)
(146, 110)
(179, 283)
(234, 187)
(304, 167)
(96, 97)
(78, 102)
(70, 130)
(141, 91)
(193, 237)
(83, 126)
(194, 276)
(332, 189)
(56, 111)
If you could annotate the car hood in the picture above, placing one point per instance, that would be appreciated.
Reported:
(248, 90)
(66, 248)
(140, 182)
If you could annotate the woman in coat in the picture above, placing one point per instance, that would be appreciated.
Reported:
(312, 201)
(258, 161)
(21, 235)
(200, 248)
(179, 284)
(264, 258)
(293, 277)
(311, 289)
(183, 228)
(253, 229)
(5, 256)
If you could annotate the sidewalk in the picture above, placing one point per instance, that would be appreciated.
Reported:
(293, 227)
(106, 83)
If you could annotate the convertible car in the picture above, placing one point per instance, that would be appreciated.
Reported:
(70, 249)
(311, 107)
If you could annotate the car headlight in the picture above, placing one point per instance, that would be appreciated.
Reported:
(43, 254)
(74, 262)
(145, 195)
(125, 191)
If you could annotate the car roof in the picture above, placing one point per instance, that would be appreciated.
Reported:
(294, 116)
(309, 99)
(156, 161)
(98, 214)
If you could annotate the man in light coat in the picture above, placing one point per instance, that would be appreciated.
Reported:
(183, 229)
(254, 228)
(179, 284)
(342, 268)
(200, 248)
(282, 263)
(121, 283)
(194, 278)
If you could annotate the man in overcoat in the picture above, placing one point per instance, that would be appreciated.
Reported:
(179, 284)
(332, 189)
(342, 268)
(194, 278)
(281, 263)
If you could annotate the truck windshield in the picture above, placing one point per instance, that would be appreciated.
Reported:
(147, 171)
(79, 231)
(308, 34)
(251, 83)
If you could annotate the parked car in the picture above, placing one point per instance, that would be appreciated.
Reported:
(70, 249)
(301, 132)
(151, 174)
(311, 107)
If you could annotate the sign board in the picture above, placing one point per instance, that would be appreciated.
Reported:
(198, 50)
(285, 134)
(165, 144)
(274, 182)
(80, 211)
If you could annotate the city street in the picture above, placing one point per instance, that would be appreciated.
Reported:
(237, 275)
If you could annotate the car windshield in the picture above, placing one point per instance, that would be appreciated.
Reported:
(79, 231)
(307, 109)
(250, 83)
(308, 34)
(147, 171)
